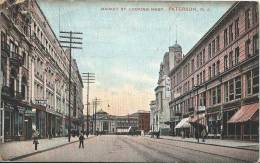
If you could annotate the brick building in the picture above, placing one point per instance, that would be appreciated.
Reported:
(216, 83)
(35, 75)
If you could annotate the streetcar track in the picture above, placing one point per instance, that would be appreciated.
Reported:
(170, 146)
(148, 155)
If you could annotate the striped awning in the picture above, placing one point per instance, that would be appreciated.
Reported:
(244, 114)
(184, 123)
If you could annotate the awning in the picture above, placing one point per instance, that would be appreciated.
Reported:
(244, 114)
(184, 123)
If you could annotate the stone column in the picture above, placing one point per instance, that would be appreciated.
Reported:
(44, 80)
(31, 59)
(55, 96)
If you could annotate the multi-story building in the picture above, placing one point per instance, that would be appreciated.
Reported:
(216, 83)
(162, 112)
(35, 74)
(143, 120)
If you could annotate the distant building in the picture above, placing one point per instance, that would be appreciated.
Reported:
(112, 124)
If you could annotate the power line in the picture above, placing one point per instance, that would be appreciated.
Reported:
(69, 42)
(88, 78)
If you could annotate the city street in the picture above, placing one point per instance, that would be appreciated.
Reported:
(115, 148)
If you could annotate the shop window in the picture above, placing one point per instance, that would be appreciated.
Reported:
(238, 87)
(236, 27)
(231, 90)
(237, 55)
(231, 59)
(256, 44)
(255, 77)
(247, 19)
(226, 91)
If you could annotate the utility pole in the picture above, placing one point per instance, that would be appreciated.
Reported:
(95, 102)
(69, 41)
(88, 78)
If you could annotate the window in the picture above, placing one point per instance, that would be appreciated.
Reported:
(247, 48)
(192, 82)
(236, 27)
(255, 77)
(256, 44)
(198, 61)
(201, 59)
(237, 55)
(198, 79)
(238, 87)
(209, 51)
(203, 56)
(225, 38)
(255, 14)
(217, 43)
(230, 59)
(225, 62)
(213, 69)
(203, 76)
(192, 65)
(249, 83)
(214, 96)
(209, 72)
(230, 33)
(231, 90)
(217, 68)
(218, 94)
(213, 47)
(247, 19)
(226, 91)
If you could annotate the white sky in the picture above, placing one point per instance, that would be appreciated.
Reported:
(124, 48)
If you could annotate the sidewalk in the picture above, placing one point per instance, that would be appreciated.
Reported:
(218, 142)
(11, 150)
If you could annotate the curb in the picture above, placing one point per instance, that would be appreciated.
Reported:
(41, 151)
(211, 144)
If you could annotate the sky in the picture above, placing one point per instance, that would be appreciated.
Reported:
(124, 43)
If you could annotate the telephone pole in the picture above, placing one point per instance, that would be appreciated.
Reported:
(70, 39)
(95, 103)
(88, 78)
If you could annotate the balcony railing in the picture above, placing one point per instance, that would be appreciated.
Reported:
(5, 49)
(16, 59)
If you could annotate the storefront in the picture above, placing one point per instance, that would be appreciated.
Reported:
(198, 123)
(183, 128)
(214, 124)
(245, 122)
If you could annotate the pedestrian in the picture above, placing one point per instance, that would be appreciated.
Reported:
(35, 139)
(203, 134)
(81, 140)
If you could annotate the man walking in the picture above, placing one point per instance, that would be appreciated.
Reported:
(81, 140)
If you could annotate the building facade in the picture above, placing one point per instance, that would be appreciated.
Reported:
(216, 83)
(35, 74)
(112, 124)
